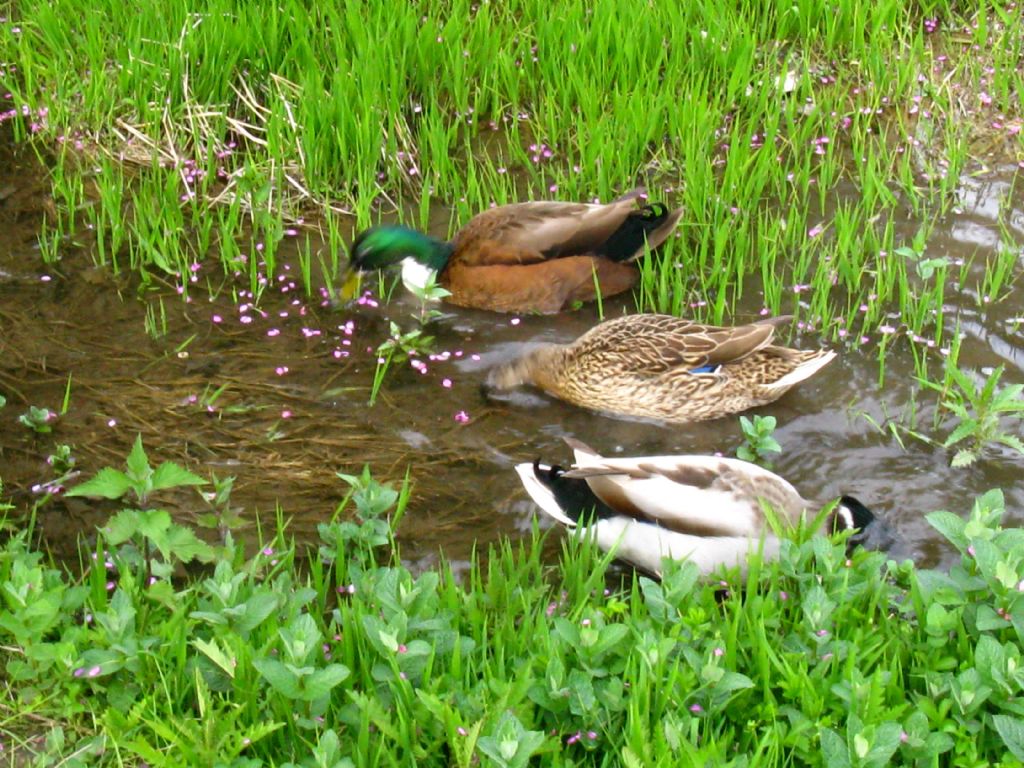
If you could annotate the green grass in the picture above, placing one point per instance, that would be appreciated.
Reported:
(792, 135)
(346, 658)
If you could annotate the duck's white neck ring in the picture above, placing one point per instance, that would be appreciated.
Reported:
(416, 276)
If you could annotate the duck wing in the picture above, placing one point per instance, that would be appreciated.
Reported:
(653, 344)
(696, 495)
(524, 233)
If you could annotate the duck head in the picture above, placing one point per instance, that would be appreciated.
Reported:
(870, 531)
(380, 247)
(421, 256)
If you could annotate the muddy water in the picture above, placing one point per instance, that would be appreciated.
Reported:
(294, 381)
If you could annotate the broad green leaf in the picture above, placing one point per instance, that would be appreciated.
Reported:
(610, 637)
(988, 620)
(963, 458)
(328, 749)
(138, 463)
(154, 524)
(183, 543)
(321, 682)
(212, 650)
(280, 677)
(567, 631)
(1006, 574)
(255, 611)
(989, 654)
(950, 526)
(987, 556)
(938, 620)
(834, 749)
(510, 744)
(170, 475)
(885, 743)
(582, 700)
(732, 681)
(1011, 729)
(108, 483)
(937, 743)
(121, 526)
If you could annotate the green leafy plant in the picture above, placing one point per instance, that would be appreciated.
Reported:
(514, 663)
(139, 478)
(429, 294)
(759, 439)
(61, 460)
(63, 464)
(147, 529)
(296, 675)
(225, 516)
(925, 268)
(511, 745)
(980, 410)
(372, 528)
(408, 343)
(39, 420)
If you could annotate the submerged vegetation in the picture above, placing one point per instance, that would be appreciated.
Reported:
(819, 658)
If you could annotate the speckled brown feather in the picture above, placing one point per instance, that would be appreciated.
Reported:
(641, 365)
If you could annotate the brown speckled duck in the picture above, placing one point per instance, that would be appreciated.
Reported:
(707, 509)
(666, 368)
(526, 257)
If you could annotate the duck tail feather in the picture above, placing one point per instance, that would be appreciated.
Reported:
(579, 447)
(774, 321)
(803, 371)
(649, 224)
(633, 194)
(538, 480)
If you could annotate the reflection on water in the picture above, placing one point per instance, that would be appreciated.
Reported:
(293, 381)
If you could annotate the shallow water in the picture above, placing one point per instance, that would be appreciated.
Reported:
(84, 324)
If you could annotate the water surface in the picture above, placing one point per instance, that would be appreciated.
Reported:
(294, 382)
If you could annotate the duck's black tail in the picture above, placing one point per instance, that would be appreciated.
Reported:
(573, 495)
(650, 224)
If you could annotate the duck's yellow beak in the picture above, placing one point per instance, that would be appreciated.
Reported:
(350, 288)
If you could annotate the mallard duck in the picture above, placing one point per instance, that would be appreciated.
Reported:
(666, 368)
(527, 257)
(707, 509)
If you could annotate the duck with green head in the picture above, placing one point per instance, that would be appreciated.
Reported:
(527, 257)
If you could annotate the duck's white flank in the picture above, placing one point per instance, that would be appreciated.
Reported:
(645, 545)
